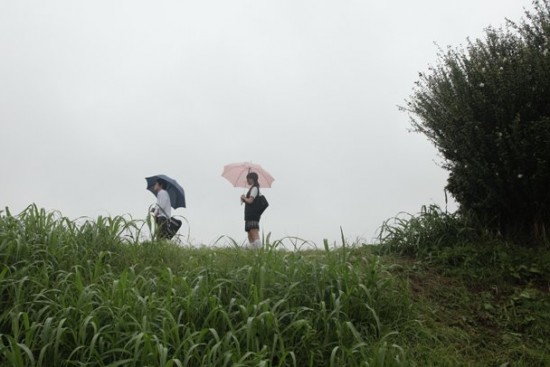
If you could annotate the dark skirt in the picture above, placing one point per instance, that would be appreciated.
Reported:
(251, 224)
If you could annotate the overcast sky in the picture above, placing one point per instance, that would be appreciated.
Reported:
(97, 95)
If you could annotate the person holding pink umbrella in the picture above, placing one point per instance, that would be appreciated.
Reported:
(251, 176)
(251, 216)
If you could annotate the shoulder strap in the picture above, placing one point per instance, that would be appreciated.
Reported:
(250, 189)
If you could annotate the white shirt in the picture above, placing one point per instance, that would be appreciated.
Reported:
(164, 208)
(254, 192)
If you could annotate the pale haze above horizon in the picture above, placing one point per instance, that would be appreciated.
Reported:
(96, 96)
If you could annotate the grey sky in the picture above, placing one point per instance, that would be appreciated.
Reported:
(96, 95)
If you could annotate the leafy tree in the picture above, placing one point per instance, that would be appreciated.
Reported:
(486, 107)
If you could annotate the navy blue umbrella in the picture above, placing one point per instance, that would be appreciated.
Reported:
(177, 196)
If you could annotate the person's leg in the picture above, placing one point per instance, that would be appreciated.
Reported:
(253, 230)
(256, 243)
(162, 227)
(248, 233)
(166, 230)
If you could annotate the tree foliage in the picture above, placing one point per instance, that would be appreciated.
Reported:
(486, 107)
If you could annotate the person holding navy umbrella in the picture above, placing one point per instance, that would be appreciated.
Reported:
(169, 195)
(162, 210)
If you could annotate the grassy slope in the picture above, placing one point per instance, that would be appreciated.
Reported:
(479, 321)
(83, 296)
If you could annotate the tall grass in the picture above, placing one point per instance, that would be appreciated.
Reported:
(460, 244)
(429, 230)
(86, 294)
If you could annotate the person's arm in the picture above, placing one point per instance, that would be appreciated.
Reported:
(253, 195)
(155, 208)
(247, 200)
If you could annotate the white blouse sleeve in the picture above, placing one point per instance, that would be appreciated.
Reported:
(254, 192)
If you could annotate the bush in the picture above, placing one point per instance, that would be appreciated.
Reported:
(487, 110)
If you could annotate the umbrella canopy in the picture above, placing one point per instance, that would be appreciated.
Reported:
(175, 191)
(236, 173)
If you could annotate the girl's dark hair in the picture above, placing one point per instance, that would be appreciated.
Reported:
(162, 183)
(254, 177)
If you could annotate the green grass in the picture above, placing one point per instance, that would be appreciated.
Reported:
(486, 299)
(83, 295)
(89, 293)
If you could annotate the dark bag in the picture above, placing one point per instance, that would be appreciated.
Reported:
(254, 210)
(173, 226)
(261, 203)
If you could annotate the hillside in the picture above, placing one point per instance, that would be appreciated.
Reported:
(87, 295)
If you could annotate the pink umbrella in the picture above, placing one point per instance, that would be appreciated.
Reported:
(236, 173)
